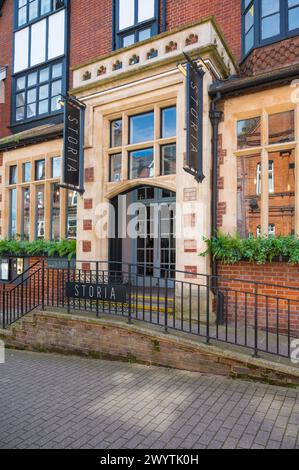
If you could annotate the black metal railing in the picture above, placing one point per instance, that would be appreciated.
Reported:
(19, 300)
(258, 316)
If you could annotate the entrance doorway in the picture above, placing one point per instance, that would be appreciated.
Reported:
(145, 234)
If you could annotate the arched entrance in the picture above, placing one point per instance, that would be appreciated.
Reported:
(144, 221)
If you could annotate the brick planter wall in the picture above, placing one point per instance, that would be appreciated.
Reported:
(275, 315)
(108, 339)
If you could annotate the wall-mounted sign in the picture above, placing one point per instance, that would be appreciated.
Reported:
(194, 159)
(73, 158)
(105, 292)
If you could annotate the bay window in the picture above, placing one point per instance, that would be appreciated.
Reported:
(266, 176)
(135, 21)
(39, 70)
(265, 21)
(148, 147)
(29, 10)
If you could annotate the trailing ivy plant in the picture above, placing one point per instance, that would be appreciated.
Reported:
(231, 249)
(61, 248)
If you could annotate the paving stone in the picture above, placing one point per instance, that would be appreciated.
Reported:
(57, 402)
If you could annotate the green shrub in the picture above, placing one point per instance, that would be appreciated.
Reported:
(61, 248)
(230, 249)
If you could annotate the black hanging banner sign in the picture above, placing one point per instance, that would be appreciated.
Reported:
(194, 160)
(73, 161)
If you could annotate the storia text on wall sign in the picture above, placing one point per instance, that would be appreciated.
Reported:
(106, 292)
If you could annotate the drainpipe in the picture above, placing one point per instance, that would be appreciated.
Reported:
(215, 118)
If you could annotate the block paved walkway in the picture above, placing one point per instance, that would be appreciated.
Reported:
(51, 401)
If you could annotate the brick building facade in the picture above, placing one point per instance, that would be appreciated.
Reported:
(121, 58)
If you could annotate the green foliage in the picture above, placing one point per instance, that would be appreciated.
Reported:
(231, 249)
(61, 248)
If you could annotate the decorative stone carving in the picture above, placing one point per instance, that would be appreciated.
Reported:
(172, 46)
(152, 54)
(191, 39)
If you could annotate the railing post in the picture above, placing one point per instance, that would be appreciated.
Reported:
(68, 280)
(166, 306)
(43, 284)
(3, 306)
(130, 296)
(256, 348)
(97, 282)
(208, 309)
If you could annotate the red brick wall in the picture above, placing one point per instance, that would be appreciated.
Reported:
(105, 339)
(234, 283)
(226, 12)
(6, 59)
(91, 32)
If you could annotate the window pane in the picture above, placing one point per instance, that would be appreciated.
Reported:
(72, 215)
(13, 174)
(55, 212)
(145, 34)
(115, 167)
(270, 26)
(33, 10)
(13, 213)
(26, 214)
(126, 13)
(146, 10)
(40, 212)
(44, 75)
(56, 167)
(270, 6)
(56, 35)
(26, 172)
(142, 164)
(22, 17)
(31, 95)
(45, 6)
(21, 49)
(20, 99)
(56, 70)
(43, 107)
(21, 83)
(32, 79)
(282, 127)
(248, 202)
(38, 43)
(128, 40)
(294, 18)
(142, 128)
(116, 133)
(43, 92)
(31, 110)
(20, 113)
(39, 170)
(249, 19)
(56, 88)
(169, 122)
(249, 133)
(282, 199)
(168, 160)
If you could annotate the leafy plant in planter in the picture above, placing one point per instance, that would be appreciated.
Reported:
(61, 248)
(231, 249)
